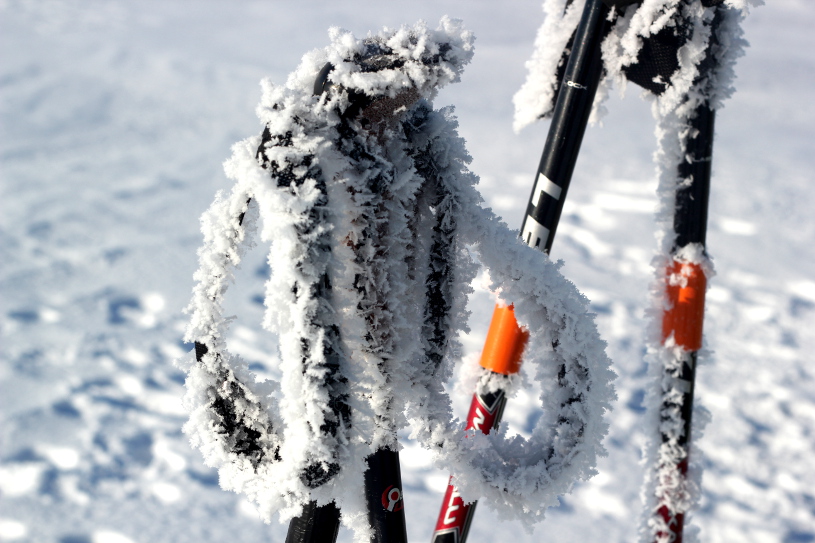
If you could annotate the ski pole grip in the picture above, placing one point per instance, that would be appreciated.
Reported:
(505, 342)
(686, 297)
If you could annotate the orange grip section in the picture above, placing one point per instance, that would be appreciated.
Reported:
(505, 342)
(687, 305)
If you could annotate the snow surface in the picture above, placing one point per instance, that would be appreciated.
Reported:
(116, 118)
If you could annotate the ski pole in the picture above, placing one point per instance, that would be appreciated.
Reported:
(370, 223)
(505, 339)
(315, 524)
(383, 478)
(685, 285)
(683, 320)
(501, 355)
(383, 493)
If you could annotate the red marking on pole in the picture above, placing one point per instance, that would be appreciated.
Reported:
(453, 514)
(392, 499)
(482, 416)
(675, 522)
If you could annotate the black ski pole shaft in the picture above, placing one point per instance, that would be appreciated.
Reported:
(684, 320)
(569, 120)
(690, 219)
(317, 524)
(383, 493)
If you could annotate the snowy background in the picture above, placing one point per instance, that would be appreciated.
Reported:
(114, 121)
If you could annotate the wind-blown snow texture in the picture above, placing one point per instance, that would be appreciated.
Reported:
(115, 122)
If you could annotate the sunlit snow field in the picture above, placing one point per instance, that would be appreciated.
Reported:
(115, 118)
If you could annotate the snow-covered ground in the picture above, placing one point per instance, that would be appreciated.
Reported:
(114, 121)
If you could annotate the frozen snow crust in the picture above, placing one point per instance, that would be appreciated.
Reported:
(375, 232)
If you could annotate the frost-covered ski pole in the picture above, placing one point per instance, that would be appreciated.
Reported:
(682, 52)
(672, 479)
(375, 227)
(685, 284)
(505, 342)
(336, 179)
(321, 523)
(684, 281)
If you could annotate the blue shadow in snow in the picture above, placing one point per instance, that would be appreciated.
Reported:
(532, 420)
(66, 409)
(257, 366)
(263, 271)
(759, 432)
(25, 315)
(600, 309)
(113, 255)
(209, 478)
(799, 306)
(49, 484)
(31, 363)
(794, 536)
(24, 455)
(75, 538)
(40, 230)
(140, 448)
(564, 507)
(116, 307)
(635, 402)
